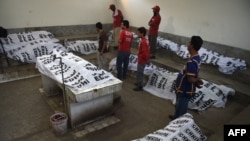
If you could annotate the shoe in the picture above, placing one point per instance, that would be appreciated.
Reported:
(152, 57)
(138, 89)
(171, 117)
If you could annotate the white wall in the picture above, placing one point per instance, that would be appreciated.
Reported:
(220, 21)
(40, 13)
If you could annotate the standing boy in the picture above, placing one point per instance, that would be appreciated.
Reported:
(122, 59)
(143, 57)
(187, 80)
(102, 48)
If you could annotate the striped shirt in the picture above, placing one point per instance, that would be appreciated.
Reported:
(191, 68)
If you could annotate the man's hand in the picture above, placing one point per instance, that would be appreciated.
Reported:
(199, 83)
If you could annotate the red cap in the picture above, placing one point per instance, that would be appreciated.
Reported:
(111, 5)
(157, 8)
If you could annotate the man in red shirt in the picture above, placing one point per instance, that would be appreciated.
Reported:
(143, 57)
(153, 30)
(117, 20)
(122, 59)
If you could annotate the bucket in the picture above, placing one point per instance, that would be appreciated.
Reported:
(59, 122)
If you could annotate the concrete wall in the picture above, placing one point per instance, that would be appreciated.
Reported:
(220, 21)
(223, 24)
(41, 13)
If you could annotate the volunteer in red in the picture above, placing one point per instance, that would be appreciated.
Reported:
(154, 24)
(122, 59)
(143, 57)
(117, 21)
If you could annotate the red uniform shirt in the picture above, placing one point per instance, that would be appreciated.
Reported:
(126, 37)
(117, 18)
(144, 51)
(155, 22)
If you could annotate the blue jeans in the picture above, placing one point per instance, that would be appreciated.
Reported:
(122, 61)
(181, 105)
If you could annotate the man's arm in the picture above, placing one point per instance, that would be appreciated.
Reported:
(120, 37)
(197, 81)
(103, 48)
(150, 23)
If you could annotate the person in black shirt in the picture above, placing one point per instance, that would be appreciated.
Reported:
(102, 49)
